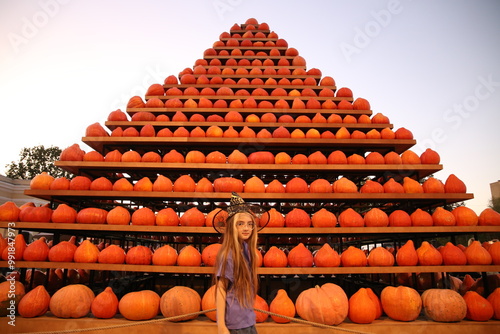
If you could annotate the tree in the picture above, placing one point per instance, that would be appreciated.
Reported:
(494, 204)
(35, 160)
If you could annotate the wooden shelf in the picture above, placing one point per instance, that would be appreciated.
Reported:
(209, 57)
(261, 270)
(96, 169)
(178, 230)
(68, 196)
(258, 111)
(252, 48)
(202, 324)
(245, 97)
(262, 67)
(263, 39)
(262, 76)
(106, 144)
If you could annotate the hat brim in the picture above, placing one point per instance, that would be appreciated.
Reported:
(220, 218)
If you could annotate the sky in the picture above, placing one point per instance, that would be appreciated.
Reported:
(432, 67)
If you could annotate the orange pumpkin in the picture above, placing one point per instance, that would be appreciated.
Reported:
(380, 257)
(393, 187)
(64, 214)
(35, 303)
(71, 301)
(282, 305)
(184, 183)
(362, 309)
(429, 156)
(91, 216)
(163, 183)
(180, 300)
(443, 305)
(208, 303)
(428, 255)
(228, 184)
(237, 157)
(323, 218)
(353, 257)
(351, 218)
(64, 251)
(401, 303)
(412, 186)
(420, 217)
(112, 254)
(38, 250)
(139, 255)
(9, 212)
(443, 217)
(477, 255)
(300, 256)
(344, 185)
(143, 216)
(260, 304)
(297, 218)
(143, 184)
(72, 153)
(376, 218)
(275, 257)
(41, 181)
(399, 218)
(105, 304)
(433, 185)
(86, 252)
(166, 255)
(326, 256)
(139, 305)
(192, 217)
(297, 185)
(254, 185)
(167, 217)
(452, 255)
(19, 248)
(327, 304)
(465, 216)
(209, 254)
(123, 185)
(189, 256)
(454, 185)
(273, 218)
(36, 213)
(494, 299)
(494, 251)
(478, 307)
(118, 216)
(407, 255)
(489, 217)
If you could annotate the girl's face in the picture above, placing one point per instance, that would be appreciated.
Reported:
(244, 225)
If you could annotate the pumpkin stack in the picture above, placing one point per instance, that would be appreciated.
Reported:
(250, 116)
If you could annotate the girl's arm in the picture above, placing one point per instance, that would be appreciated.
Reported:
(220, 303)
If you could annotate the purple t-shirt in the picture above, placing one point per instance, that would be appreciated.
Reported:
(236, 316)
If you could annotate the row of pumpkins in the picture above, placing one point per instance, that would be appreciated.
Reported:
(326, 304)
(296, 217)
(337, 157)
(299, 256)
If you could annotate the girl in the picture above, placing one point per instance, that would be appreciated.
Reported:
(236, 271)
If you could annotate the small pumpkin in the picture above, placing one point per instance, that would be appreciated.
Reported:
(454, 185)
(275, 257)
(260, 304)
(118, 216)
(344, 185)
(465, 216)
(326, 256)
(35, 303)
(297, 218)
(208, 303)
(64, 214)
(228, 184)
(41, 181)
(143, 216)
(477, 255)
(407, 255)
(139, 255)
(105, 304)
(297, 185)
(165, 255)
(139, 305)
(376, 218)
(351, 218)
(353, 257)
(300, 256)
(180, 300)
(11, 292)
(428, 255)
(452, 255)
(91, 216)
(209, 254)
(494, 299)
(38, 250)
(9, 211)
(489, 217)
(478, 307)
(192, 217)
(362, 309)
(167, 217)
(184, 183)
(323, 218)
(443, 217)
(64, 251)
(401, 303)
(112, 254)
(420, 217)
(380, 257)
(19, 248)
(86, 252)
(273, 218)
(283, 305)
(189, 256)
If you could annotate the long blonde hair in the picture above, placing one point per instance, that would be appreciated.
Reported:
(245, 276)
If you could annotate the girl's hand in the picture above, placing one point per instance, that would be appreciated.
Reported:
(222, 330)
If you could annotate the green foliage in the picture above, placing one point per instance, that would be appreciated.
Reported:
(494, 204)
(35, 160)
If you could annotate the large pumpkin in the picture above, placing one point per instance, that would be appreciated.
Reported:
(180, 300)
(105, 304)
(35, 303)
(401, 303)
(327, 306)
(139, 305)
(72, 301)
(282, 305)
(443, 305)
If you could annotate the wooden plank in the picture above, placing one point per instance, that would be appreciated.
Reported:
(178, 230)
(106, 144)
(261, 270)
